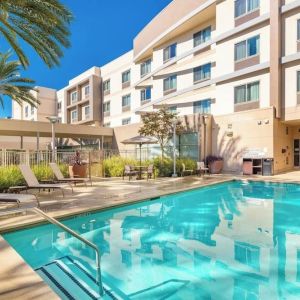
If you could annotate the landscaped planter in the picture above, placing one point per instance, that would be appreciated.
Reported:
(216, 167)
(215, 164)
(78, 171)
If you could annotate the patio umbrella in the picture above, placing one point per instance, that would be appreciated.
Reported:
(140, 140)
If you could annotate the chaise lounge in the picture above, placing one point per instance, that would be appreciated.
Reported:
(60, 177)
(32, 182)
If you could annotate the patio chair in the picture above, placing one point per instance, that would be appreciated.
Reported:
(60, 177)
(19, 198)
(201, 169)
(150, 172)
(129, 172)
(184, 170)
(32, 182)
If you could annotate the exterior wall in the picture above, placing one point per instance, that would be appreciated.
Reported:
(289, 28)
(250, 130)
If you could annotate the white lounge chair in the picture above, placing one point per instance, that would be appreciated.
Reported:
(32, 182)
(60, 177)
(20, 199)
(201, 169)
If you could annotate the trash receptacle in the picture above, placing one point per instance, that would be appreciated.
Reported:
(268, 167)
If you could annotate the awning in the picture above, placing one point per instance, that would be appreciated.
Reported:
(31, 128)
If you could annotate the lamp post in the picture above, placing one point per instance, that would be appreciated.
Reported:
(53, 120)
(204, 137)
(174, 148)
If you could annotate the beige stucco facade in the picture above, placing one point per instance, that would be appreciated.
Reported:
(268, 123)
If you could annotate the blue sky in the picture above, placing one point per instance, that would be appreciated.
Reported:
(101, 31)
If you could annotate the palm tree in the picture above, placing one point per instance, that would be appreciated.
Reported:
(12, 84)
(43, 24)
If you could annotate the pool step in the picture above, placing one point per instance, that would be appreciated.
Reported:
(71, 281)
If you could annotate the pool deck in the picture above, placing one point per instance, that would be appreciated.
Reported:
(19, 281)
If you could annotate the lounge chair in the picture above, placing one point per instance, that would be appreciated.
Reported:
(60, 177)
(129, 172)
(201, 169)
(149, 172)
(184, 170)
(32, 182)
(19, 198)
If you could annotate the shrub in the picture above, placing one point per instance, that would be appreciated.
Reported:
(211, 158)
(164, 168)
(114, 166)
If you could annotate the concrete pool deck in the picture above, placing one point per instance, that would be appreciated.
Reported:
(19, 281)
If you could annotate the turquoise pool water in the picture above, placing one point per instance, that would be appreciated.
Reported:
(237, 240)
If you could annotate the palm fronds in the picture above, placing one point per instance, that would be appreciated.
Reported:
(43, 24)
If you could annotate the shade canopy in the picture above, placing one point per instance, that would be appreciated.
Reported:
(140, 140)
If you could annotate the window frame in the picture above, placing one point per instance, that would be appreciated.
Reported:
(145, 63)
(144, 91)
(298, 30)
(199, 68)
(247, 10)
(196, 34)
(106, 83)
(128, 121)
(71, 113)
(87, 87)
(170, 89)
(246, 92)
(125, 96)
(71, 97)
(246, 41)
(106, 105)
(169, 48)
(87, 116)
(200, 102)
(129, 76)
(298, 81)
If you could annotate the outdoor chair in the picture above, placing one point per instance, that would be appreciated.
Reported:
(20, 199)
(184, 170)
(129, 172)
(60, 177)
(32, 182)
(150, 172)
(201, 169)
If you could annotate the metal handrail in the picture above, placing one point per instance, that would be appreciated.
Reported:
(85, 241)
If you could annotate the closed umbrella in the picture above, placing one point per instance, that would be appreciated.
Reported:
(140, 140)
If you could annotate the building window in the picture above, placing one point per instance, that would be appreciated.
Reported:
(74, 117)
(247, 254)
(87, 112)
(26, 111)
(58, 106)
(126, 76)
(126, 121)
(298, 81)
(73, 97)
(202, 36)
(242, 7)
(146, 94)
(172, 109)
(202, 107)
(202, 73)
(106, 86)
(247, 92)
(106, 107)
(246, 48)
(298, 30)
(126, 100)
(32, 109)
(170, 52)
(170, 83)
(107, 124)
(146, 67)
(86, 90)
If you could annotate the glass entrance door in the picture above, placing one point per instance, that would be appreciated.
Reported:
(297, 153)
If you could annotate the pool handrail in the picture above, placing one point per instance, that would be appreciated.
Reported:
(79, 237)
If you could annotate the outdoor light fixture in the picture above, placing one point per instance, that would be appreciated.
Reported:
(53, 120)
(175, 121)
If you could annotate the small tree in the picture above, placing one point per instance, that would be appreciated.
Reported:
(160, 124)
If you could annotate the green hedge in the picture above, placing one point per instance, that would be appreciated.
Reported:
(114, 166)
(12, 176)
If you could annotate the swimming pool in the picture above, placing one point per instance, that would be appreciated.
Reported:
(236, 240)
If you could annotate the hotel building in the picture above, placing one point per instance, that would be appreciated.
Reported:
(229, 68)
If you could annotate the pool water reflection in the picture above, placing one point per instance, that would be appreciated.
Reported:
(236, 240)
